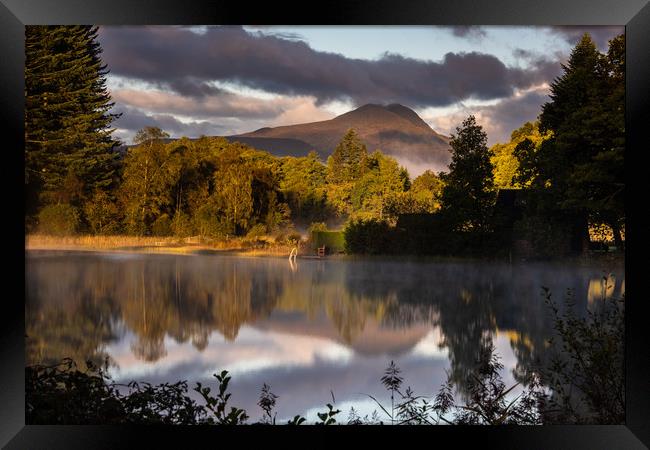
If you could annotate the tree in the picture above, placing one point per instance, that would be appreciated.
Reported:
(507, 174)
(67, 120)
(233, 191)
(382, 177)
(468, 194)
(346, 163)
(151, 169)
(578, 171)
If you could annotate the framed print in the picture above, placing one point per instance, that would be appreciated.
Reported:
(377, 219)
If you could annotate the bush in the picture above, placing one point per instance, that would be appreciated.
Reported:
(60, 220)
(257, 231)
(182, 225)
(334, 241)
(370, 236)
(162, 226)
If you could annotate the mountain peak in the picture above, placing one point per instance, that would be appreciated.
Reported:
(394, 129)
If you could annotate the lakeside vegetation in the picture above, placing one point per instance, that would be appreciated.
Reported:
(567, 167)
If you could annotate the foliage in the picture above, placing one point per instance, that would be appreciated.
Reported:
(182, 224)
(369, 236)
(487, 402)
(67, 120)
(578, 171)
(468, 194)
(102, 214)
(63, 394)
(334, 241)
(506, 157)
(217, 405)
(347, 162)
(267, 403)
(327, 417)
(59, 219)
(162, 226)
(586, 371)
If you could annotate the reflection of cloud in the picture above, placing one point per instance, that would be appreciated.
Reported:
(253, 351)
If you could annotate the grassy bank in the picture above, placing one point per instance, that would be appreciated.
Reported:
(148, 244)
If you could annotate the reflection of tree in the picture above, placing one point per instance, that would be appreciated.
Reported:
(77, 325)
(467, 323)
(75, 303)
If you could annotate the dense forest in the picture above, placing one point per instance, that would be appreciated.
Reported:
(567, 168)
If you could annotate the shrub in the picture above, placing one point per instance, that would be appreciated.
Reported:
(334, 241)
(257, 231)
(162, 226)
(61, 219)
(371, 236)
(586, 372)
(182, 225)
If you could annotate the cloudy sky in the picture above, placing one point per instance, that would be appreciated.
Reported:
(224, 80)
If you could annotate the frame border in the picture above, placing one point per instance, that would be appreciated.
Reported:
(635, 14)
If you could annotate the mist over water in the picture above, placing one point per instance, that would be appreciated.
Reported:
(317, 328)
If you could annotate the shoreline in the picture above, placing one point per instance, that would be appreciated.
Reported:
(174, 246)
(137, 245)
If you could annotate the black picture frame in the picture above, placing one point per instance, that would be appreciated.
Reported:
(634, 14)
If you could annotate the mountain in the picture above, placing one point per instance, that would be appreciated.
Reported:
(394, 129)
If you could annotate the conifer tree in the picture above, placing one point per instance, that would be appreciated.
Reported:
(468, 193)
(67, 115)
(348, 159)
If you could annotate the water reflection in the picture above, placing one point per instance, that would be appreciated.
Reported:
(303, 328)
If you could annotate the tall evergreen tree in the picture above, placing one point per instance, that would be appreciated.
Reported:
(348, 159)
(67, 115)
(468, 193)
(580, 168)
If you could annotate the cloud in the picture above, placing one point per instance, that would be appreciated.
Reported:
(469, 31)
(187, 62)
(208, 106)
(133, 119)
(600, 34)
(498, 120)
(208, 115)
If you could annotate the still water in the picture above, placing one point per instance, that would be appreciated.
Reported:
(315, 331)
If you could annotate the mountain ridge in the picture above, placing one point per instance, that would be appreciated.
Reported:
(394, 129)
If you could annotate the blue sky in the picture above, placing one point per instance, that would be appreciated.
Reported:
(230, 80)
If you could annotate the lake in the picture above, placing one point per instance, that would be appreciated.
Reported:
(315, 331)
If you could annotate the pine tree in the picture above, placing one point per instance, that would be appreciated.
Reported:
(580, 168)
(67, 114)
(348, 159)
(468, 193)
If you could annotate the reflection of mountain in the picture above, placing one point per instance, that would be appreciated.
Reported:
(372, 307)
(374, 340)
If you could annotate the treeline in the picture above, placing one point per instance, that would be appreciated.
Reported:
(215, 188)
(566, 168)
(77, 181)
